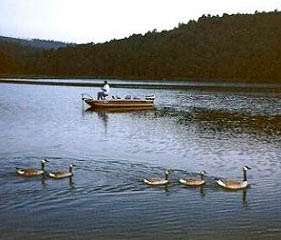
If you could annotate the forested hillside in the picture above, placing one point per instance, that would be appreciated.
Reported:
(7, 65)
(35, 43)
(240, 47)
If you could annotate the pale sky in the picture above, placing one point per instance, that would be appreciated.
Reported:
(83, 21)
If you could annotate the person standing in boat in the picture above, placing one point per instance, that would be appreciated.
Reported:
(104, 91)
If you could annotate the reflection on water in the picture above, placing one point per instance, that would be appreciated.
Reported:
(244, 198)
(114, 152)
(104, 117)
(225, 120)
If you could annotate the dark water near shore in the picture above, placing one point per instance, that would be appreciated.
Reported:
(153, 84)
(190, 131)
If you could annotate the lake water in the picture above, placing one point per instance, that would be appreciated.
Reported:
(190, 131)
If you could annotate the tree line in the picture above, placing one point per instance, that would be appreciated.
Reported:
(237, 47)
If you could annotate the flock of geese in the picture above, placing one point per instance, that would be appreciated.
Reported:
(33, 172)
(197, 182)
(191, 182)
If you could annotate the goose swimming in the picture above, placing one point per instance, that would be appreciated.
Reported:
(32, 172)
(233, 184)
(194, 182)
(158, 181)
(62, 174)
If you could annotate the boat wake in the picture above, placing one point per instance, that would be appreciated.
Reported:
(221, 119)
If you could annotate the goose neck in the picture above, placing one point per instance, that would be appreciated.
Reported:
(244, 175)
(42, 166)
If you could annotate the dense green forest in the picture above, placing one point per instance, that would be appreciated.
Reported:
(238, 47)
(18, 55)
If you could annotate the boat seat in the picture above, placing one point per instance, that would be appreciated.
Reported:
(107, 97)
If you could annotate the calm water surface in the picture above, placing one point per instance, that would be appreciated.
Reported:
(190, 131)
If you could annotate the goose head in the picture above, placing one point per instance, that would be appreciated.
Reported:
(245, 168)
(71, 167)
(202, 174)
(167, 173)
(43, 163)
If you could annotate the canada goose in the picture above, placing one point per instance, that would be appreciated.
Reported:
(158, 181)
(193, 182)
(235, 185)
(62, 174)
(32, 172)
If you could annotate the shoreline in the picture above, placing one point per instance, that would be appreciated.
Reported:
(148, 84)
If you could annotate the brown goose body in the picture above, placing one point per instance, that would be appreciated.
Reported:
(61, 174)
(194, 182)
(158, 181)
(32, 172)
(233, 184)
